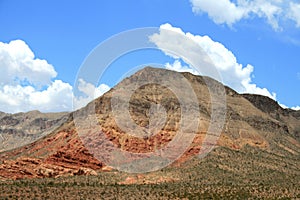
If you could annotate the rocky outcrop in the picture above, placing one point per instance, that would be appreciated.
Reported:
(36, 168)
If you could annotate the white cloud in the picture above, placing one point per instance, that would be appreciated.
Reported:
(296, 108)
(293, 108)
(294, 13)
(229, 12)
(26, 83)
(90, 92)
(221, 11)
(16, 98)
(233, 74)
(177, 66)
(18, 64)
(283, 106)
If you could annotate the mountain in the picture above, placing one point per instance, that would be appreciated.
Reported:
(286, 116)
(23, 128)
(256, 155)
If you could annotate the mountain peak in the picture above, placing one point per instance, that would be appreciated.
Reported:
(250, 124)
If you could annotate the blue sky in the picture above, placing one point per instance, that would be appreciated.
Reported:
(263, 34)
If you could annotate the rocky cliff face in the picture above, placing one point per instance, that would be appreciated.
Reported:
(252, 122)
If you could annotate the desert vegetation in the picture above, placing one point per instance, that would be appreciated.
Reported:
(224, 173)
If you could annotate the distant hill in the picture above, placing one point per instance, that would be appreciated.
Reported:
(23, 128)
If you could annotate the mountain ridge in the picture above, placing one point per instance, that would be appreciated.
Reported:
(25, 127)
(261, 141)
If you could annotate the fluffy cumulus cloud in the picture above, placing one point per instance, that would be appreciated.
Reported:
(89, 92)
(16, 98)
(283, 106)
(177, 66)
(296, 108)
(18, 64)
(28, 83)
(229, 11)
(293, 108)
(216, 10)
(232, 73)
